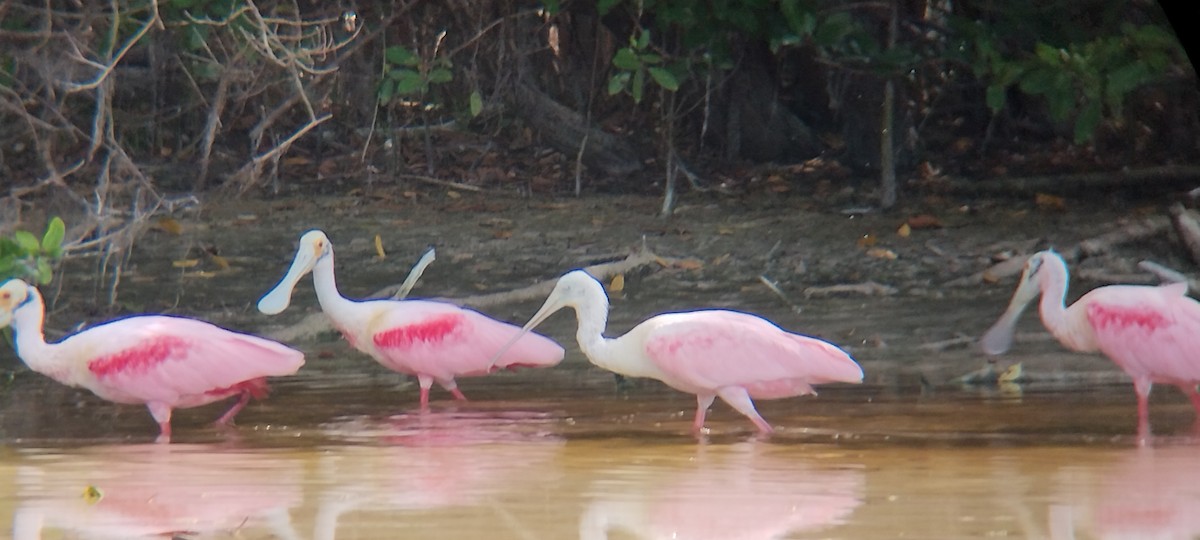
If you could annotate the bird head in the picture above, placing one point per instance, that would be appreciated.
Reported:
(314, 246)
(13, 294)
(999, 337)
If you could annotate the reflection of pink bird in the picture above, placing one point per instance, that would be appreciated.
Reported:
(130, 491)
(724, 493)
(1152, 333)
(433, 340)
(163, 362)
(710, 353)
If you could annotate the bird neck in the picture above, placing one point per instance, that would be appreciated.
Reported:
(592, 316)
(30, 341)
(331, 300)
(1052, 307)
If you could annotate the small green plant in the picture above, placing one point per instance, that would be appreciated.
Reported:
(633, 63)
(406, 74)
(24, 256)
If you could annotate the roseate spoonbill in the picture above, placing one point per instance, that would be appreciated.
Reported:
(736, 356)
(435, 341)
(161, 361)
(1152, 333)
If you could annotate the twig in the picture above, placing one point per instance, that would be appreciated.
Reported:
(440, 182)
(866, 288)
(779, 292)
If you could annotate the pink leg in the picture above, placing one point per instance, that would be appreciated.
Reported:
(162, 414)
(426, 382)
(227, 418)
(739, 399)
(1142, 387)
(452, 387)
(1189, 390)
(703, 402)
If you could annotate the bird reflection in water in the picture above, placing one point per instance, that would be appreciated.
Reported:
(1151, 492)
(739, 491)
(139, 492)
(429, 461)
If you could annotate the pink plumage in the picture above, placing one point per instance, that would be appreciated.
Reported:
(160, 361)
(434, 341)
(711, 353)
(1151, 333)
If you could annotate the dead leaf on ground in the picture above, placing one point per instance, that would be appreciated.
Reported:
(617, 284)
(220, 261)
(689, 264)
(924, 221)
(904, 231)
(379, 247)
(169, 225)
(882, 253)
(453, 194)
(185, 263)
(1045, 201)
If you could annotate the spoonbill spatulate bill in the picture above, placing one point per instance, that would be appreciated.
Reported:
(1151, 332)
(163, 362)
(710, 353)
(434, 341)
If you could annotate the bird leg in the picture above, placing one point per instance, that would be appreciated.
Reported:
(227, 418)
(1142, 387)
(452, 387)
(739, 399)
(703, 402)
(426, 383)
(162, 414)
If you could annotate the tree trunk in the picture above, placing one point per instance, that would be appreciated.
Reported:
(565, 130)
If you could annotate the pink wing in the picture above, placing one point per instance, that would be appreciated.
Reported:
(166, 359)
(446, 341)
(1151, 332)
(715, 348)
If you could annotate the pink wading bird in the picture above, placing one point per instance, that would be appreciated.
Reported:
(1152, 333)
(435, 341)
(736, 356)
(161, 361)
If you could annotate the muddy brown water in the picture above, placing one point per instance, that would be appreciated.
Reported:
(340, 451)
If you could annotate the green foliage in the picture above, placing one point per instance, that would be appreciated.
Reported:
(635, 62)
(25, 256)
(406, 74)
(1086, 83)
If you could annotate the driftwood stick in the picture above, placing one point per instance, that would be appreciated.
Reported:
(1188, 229)
(866, 288)
(541, 290)
(1164, 177)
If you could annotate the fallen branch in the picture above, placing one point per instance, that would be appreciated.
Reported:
(1188, 229)
(440, 182)
(1129, 232)
(867, 288)
(1165, 178)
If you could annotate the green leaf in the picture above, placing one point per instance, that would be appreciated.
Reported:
(643, 40)
(476, 103)
(650, 58)
(7, 264)
(617, 83)
(410, 83)
(604, 6)
(1038, 81)
(55, 232)
(638, 85)
(552, 6)
(664, 78)
(440, 76)
(28, 243)
(832, 29)
(996, 97)
(1048, 54)
(401, 56)
(1089, 119)
(45, 272)
(626, 59)
(386, 89)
